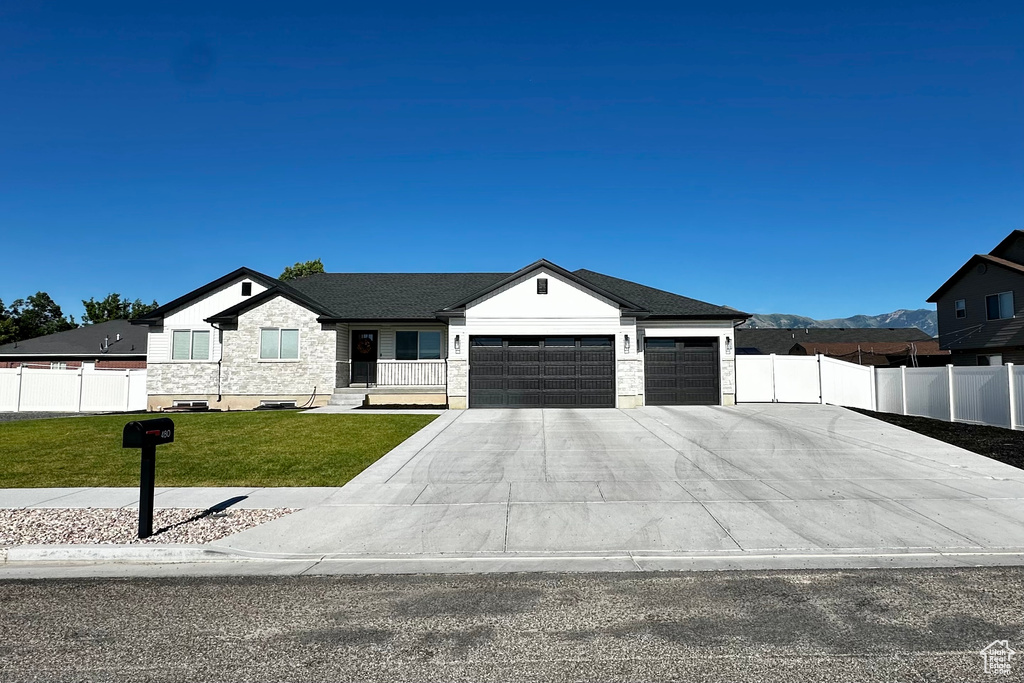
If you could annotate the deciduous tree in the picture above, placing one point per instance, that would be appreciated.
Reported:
(113, 308)
(301, 270)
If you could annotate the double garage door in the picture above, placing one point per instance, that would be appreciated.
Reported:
(541, 372)
(568, 372)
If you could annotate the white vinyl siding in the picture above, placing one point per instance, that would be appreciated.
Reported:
(192, 317)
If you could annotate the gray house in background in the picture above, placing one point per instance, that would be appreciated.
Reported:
(112, 345)
(981, 307)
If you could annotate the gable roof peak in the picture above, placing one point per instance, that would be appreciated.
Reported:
(623, 303)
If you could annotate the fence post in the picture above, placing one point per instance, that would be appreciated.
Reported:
(17, 395)
(903, 386)
(949, 391)
(771, 357)
(127, 390)
(81, 370)
(1013, 398)
(821, 384)
(873, 383)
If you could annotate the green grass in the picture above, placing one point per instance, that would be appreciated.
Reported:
(209, 449)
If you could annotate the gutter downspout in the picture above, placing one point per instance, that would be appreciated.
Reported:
(220, 358)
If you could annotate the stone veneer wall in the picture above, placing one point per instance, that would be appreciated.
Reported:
(244, 373)
(458, 384)
(244, 378)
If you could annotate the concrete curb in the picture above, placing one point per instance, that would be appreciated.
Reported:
(38, 554)
(55, 556)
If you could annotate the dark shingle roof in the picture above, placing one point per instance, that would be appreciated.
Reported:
(84, 341)
(391, 296)
(780, 341)
(418, 296)
(659, 302)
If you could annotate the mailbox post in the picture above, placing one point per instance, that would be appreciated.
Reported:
(147, 435)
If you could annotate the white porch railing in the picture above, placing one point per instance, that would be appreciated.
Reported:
(402, 373)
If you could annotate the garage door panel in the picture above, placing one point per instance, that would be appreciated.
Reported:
(683, 371)
(527, 373)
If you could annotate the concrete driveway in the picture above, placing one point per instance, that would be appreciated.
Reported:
(650, 487)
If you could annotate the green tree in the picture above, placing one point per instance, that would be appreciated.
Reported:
(38, 315)
(301, 270)
(113, 308)
(8, 329)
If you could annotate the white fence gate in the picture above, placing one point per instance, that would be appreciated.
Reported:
(803, 379)
(980, 395)
(84, 390)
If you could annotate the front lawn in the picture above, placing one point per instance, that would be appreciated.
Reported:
(210, 449)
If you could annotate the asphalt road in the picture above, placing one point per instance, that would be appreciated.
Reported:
(867, 625)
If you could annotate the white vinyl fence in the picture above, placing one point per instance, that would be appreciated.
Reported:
(82, 390)
(803, 379)
(980, 395)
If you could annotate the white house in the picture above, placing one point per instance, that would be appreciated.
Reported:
(539, 337)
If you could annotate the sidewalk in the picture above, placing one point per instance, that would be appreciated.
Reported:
(245, 498)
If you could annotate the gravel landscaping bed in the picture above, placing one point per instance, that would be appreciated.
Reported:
(32, 526)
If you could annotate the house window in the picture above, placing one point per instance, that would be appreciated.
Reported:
(417, 345)
(279, 344)
(999, 306)
(542, 285)
(246, 289)
(960, 306)
(190, 345)
(58, 365)
(991, 359)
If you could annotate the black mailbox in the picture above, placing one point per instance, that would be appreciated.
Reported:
(148, 433)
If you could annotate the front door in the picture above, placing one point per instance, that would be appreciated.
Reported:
(364, 357)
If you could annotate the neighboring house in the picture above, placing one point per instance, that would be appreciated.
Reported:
(914, 354)
(781, 340)
(981, 307)
(115, 344)
(539, 337)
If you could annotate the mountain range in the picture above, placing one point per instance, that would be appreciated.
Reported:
(922, 318)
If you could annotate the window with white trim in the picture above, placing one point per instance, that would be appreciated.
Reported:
(960, 306)
(190, 345)
(411, 345)
(277, 343)
(999, 306)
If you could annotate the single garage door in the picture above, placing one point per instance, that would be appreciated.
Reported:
(541, 372)
(681, 372)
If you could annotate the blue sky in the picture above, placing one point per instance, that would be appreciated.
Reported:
(825, 159)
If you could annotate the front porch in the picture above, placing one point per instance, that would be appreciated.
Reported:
(391, 383)
(392, 374)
